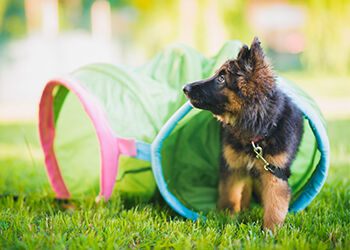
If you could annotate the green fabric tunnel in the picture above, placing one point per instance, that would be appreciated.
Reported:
(104, 127)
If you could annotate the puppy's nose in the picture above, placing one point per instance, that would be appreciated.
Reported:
(186, 88)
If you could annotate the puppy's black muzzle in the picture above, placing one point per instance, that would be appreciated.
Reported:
(186, 89)
(194, 90)
(206, 94)
(197, 93)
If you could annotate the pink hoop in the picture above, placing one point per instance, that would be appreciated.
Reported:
(110, 146)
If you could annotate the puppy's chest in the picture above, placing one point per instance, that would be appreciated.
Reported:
(239, 160)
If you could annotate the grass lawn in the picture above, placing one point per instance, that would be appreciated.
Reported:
(30, 217)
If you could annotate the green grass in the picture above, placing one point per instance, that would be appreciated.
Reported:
(30, 217)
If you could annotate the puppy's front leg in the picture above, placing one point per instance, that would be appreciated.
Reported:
(275, 199)
(234, 193)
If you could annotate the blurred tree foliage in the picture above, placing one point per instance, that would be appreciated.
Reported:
(157, 23)
(327, 35)
(234, 14)
(75, 14)
(12, 19)
(327, 29)
(3, 7)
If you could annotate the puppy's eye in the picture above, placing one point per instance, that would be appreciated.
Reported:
(221, 79)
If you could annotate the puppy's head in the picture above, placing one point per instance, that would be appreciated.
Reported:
(238, 85)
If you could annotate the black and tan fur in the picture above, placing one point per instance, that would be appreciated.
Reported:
(243, 96)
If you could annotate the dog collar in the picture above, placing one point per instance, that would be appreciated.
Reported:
(273, 127)
(278, 172)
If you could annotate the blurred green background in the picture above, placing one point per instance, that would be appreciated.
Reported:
(307, 41)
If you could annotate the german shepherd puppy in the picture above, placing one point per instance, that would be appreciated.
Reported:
(260, 135)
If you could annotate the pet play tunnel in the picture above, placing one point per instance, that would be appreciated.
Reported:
(105, 127)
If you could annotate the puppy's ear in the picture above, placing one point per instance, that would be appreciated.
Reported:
(256, 55)
(262, 73)
(243, 53)
(242, 59)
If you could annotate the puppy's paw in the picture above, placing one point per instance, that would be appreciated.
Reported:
(227, 206)
(271, 227)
